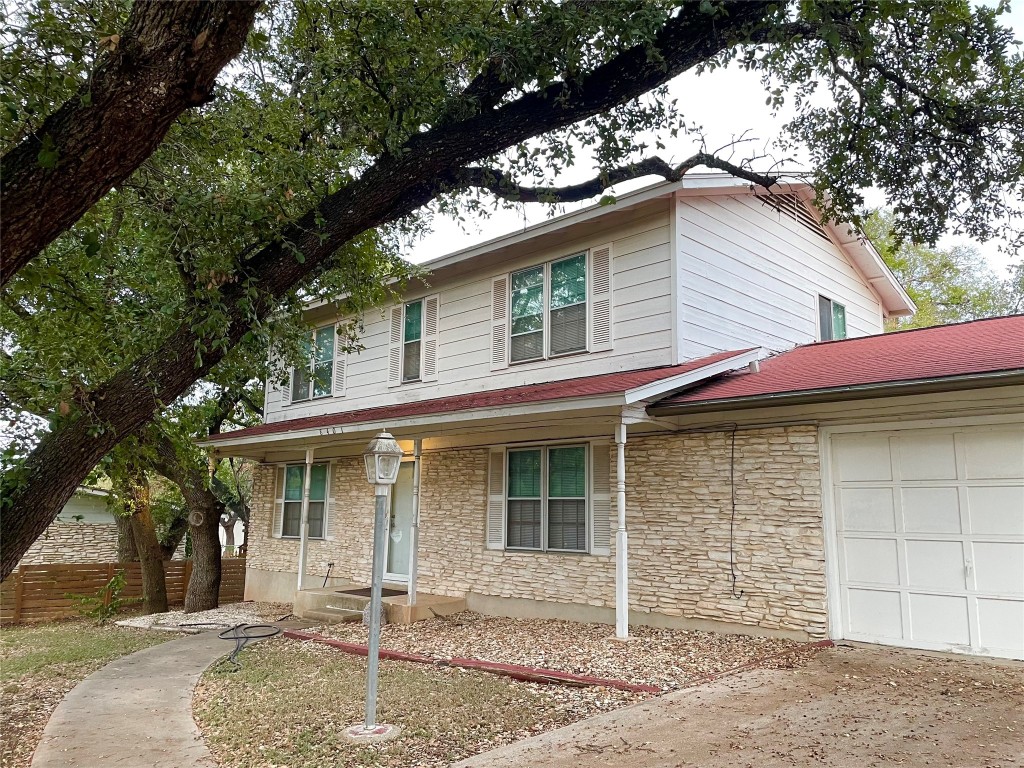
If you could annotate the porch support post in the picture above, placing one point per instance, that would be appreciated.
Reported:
(621, 539)
(304, 518)
(417, 449)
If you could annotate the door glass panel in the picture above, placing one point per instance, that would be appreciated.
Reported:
(400, 525)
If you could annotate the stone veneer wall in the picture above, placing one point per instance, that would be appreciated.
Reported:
(74, 542)
(678, 512)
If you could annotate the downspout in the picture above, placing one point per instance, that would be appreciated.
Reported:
(415, 543)
(304, 518)
(621, 538)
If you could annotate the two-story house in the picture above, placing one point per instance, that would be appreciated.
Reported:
(571, 452)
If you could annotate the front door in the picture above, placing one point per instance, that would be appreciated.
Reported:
(399, 539)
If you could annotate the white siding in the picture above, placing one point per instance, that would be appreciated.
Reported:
(642, 326)
(750, 276)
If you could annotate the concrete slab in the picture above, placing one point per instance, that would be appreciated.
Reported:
(134, 712)
(844, 708)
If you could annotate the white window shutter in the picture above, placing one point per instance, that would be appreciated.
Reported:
(278, 519)
(499, 323)
(428, 365)
(496, 500)
(340, 365)
(329, 503)
(599, 299)
(600, 499)
(395, 348)
(286, 390)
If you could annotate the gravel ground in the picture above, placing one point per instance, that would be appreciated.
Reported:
(223, 617)
(667, 658)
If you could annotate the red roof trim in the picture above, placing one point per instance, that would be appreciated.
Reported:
(920, 355)
(588, 386)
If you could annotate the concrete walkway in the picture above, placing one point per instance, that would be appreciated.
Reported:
(135, 712)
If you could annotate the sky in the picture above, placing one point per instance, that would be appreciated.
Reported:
(727, 104)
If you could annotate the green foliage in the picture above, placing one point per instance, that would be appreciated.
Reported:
(949, 285)
(107, 602)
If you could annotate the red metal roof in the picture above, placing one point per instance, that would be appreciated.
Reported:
(588, 386)
(981, 346)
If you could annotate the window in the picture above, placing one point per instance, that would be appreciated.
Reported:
(412, 333)
(290, 479)
(316, 379)
(547, 499)
(549, 304)
(831, 319)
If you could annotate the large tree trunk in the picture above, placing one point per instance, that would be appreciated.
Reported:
(127, 552)
(165, 61)
(391, 188)
(154, 580)
(204, 586)
(204, 511)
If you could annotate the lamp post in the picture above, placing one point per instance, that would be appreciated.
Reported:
(383, 457)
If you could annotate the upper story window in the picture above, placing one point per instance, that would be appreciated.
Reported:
(290, 481)
(831, 319)
(315, 380)
(412, 353)
(559, 308)
(412, 333)
(549, 309)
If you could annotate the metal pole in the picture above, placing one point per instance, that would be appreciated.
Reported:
(415, 543)
(377, 583)
(304, 518)
(621, 538)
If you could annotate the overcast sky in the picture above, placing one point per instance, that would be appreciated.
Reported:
(726, 103)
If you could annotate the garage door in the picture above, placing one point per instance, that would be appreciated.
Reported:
(929, 534)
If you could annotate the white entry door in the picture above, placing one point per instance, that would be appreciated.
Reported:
(929, 537)
(399, 539)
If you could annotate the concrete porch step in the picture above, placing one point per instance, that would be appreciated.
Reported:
(316, 604)
(330, 614)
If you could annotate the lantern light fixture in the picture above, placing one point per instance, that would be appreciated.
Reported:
(383, 457)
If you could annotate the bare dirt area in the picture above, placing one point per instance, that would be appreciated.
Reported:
(843, 708)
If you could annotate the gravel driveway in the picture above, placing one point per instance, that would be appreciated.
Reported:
(844, 707)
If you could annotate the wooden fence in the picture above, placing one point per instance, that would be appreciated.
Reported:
(41, 592)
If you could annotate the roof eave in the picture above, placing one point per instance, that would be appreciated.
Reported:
(854, 392)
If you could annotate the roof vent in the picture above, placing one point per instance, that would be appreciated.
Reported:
(754, 366)
(793, 207)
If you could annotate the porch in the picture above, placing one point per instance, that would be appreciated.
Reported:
(340, 603)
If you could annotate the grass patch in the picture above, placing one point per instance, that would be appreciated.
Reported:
(291, 702)
(42, 662)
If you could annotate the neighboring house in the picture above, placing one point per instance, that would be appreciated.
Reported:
(84, 532)
(604, 429)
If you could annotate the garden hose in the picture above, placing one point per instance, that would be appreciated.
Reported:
(243, 634)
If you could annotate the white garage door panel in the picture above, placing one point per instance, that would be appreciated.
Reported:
(1001, 623)
(929, 537)
(871, 561)
(927, 456)
(939, 619)
(999, 567)
(931, 510)
(875, 613)
(997, 510)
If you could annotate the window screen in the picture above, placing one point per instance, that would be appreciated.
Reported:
(569, 305)
(567, 498)
(323, 361)
(527, 314)
(524, 500)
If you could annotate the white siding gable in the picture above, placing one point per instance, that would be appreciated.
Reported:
(749, 275)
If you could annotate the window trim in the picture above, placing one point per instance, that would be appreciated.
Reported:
(588, 522)
(832, 304)
(546, 309)
(283, 470)
(311, 367)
